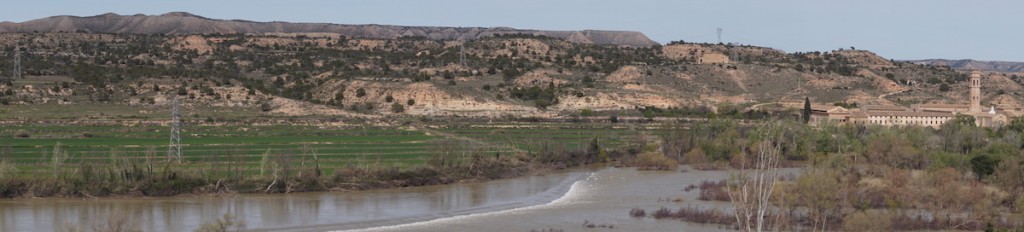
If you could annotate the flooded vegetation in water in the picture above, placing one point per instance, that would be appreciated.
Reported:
(959, 177)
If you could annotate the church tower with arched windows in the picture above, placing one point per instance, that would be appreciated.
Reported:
(975, 97)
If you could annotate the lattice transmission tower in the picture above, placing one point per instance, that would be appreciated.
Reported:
(462, 54)
(17, 64)
(174, 148)
(719, 35)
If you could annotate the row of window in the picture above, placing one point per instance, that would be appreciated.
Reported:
(910, 120)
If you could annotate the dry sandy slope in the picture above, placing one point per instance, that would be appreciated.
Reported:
(429, 99)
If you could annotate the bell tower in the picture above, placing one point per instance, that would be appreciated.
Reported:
(975, 84)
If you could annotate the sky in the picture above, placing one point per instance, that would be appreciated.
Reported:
(896, 29)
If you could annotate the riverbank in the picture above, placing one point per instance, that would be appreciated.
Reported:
(859, 178)
(152, 180)
(595, 204)
(562, 200)
(309, 211)
(123, 161)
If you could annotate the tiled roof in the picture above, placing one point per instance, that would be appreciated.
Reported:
(942, 106)
(909, 114)
(820, 107)
(883, 108)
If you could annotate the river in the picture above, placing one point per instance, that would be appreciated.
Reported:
(561, 201)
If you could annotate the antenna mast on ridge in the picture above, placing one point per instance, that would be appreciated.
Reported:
(174, 148)
(719, 35)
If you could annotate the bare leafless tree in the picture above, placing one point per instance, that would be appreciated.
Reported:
(752, 185)
(57, 159)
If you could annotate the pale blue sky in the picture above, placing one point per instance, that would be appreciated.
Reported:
(898, 29)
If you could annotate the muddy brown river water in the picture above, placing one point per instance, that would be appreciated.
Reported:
(564, 201)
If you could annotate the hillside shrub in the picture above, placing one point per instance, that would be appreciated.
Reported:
(21, 134)
(397, 108)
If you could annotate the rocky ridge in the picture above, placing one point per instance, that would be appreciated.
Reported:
(186, 23)
(968, 64)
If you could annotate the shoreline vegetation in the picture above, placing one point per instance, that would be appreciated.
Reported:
(63, 171)
(857, 178)
(133, 177)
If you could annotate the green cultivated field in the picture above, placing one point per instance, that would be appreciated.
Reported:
(534, 136)
(334, 147)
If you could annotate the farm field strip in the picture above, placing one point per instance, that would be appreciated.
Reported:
(248, 156)
(335, 147)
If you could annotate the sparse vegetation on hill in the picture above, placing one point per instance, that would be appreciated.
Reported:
(522, 73)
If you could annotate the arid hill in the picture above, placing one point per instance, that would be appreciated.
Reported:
(186, 23)
(988, 66)
(143, 62)
(504, 75)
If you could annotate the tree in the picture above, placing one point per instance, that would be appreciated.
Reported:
(593, 149)
(649, 114)
(410, 101)
(963, 120)
(807, 110)
(944, 87)
(1010, 177)
(448, 75)
(360, 92)
(266, 106)
(339, 96)
(1016, 124)
(751, 187)
(397, 108)
(818, 191)
(984, 165)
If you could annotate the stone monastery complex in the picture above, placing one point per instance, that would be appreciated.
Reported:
(930, 115)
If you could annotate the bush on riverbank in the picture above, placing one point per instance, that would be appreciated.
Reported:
(654, 161)
(921, 178)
